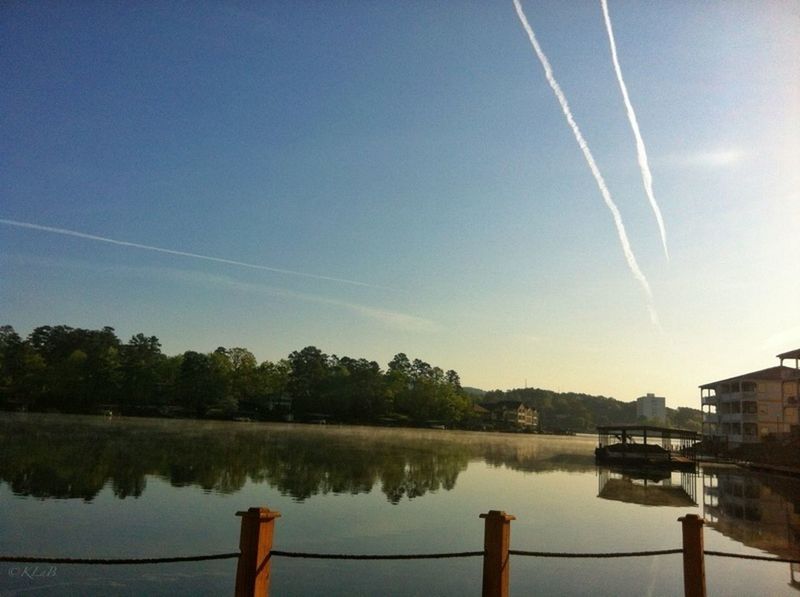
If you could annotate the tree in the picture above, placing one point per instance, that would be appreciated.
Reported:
(22, 371)
(199, 384)
(271, 381)
(140, 360)
(243, 375)
(360, 394)
(308, 373)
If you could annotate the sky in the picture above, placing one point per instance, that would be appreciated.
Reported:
(381, 177)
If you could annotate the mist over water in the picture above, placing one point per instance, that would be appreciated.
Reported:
(84, 486)
(58, 457)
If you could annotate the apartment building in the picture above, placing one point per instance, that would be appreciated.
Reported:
(514, 413)
(749, 407)
(652, 407)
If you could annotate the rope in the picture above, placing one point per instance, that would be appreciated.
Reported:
(340, 556)
(746, 557)
(413, 556)
(113, 562)
(618, 554)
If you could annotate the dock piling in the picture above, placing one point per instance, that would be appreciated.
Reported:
(496, 541)
(255, 545)
(694, 569)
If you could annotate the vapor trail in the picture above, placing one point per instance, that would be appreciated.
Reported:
(641, 153)
(623, 237)
(124, 243)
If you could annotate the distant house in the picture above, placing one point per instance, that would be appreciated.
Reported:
(278, 403)
(481, 412)
(749, 407)
(513, 413)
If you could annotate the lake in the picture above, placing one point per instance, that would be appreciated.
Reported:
(112, 488)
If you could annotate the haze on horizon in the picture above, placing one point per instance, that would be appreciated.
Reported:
(382, 178)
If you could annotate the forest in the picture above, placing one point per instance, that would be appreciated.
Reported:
(73, 370)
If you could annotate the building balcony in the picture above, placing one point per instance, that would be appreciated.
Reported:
(736, 396)
(736, 417)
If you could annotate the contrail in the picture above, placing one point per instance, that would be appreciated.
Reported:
(124, 243)
(641, 153)
(623, 237)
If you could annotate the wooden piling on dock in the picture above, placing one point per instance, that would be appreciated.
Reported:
(694, 568)
(255, 545)
(496, 541)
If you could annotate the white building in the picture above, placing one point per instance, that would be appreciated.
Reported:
(747, 408)
(652, 407)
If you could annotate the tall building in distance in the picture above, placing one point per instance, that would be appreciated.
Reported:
(652, 407)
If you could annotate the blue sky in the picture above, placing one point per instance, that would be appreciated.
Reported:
(415, 148)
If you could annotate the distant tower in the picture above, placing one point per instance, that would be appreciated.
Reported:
(652, 407)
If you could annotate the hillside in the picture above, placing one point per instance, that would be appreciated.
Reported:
(581, 413)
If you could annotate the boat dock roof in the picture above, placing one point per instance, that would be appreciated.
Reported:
(634, 430)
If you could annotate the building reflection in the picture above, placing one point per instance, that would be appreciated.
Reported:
(759, 511)
(647, 487)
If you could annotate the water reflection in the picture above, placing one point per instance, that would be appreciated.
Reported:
(77, 457)
(759, 511)
(655, 487)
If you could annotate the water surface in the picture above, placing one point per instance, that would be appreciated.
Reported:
(94, 487)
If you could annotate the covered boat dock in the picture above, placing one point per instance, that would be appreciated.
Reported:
(646, 444)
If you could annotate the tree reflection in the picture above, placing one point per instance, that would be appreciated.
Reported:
(54, 457)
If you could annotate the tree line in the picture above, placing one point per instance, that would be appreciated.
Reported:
(570, 411)
(74, 370)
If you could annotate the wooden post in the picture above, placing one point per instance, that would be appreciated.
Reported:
(694, 568)
(496, 540)
(255, 544)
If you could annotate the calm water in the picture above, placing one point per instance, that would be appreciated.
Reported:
(90, 487)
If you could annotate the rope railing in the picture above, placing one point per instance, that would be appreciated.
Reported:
(615, 554)
(742, 556)
(255, 555)
(406, 556)
(116, 561)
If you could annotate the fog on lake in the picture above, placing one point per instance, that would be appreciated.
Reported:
(95, 487)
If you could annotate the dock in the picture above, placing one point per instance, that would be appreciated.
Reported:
(646, 446)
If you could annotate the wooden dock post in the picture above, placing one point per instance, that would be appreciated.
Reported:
(255, 544)
(496, 541)
(694, 568)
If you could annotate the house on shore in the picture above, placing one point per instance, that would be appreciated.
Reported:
(513, 413)
(750, 407)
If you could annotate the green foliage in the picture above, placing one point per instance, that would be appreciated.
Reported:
(582, 413)
(75, 370)
(68, 369)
